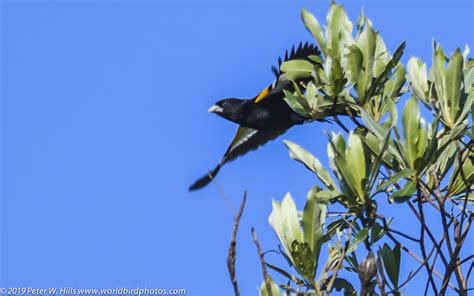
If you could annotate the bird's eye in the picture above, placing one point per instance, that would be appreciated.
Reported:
(225, 104)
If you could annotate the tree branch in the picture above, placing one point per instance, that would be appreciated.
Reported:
(266, 277)
(232, 248)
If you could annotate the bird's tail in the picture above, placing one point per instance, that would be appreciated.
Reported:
(206, 179)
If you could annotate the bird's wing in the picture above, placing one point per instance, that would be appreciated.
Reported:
(245, 140)
(303, 51)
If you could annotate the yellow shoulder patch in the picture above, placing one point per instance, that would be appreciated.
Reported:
(262, 95)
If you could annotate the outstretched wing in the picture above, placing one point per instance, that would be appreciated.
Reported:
(245, 140)
(302, 52)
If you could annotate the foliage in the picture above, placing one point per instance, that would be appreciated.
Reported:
(425, 164)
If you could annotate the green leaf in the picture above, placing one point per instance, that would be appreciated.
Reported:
(465, 109)
(381, 56)
(405, 193)
(296, 104)
(371, 124)
(314, 216)
(374, 145)
(381, 79)
(391, 262)
(297, 69)
(343, 284)
(418, 78)
(297, 66)
(285, 223)
(439, 73)
(458, 131)
(395, 178)
(445, 160)
(356, 156)
(338, 32)
(334, 227)
(393, 87)
(360, 236)
(457, 184)
(303, 259)
(468, 74)
(366, 43)
(285, 274)
(353, 63)
(376, 233)
(377, 161)
(301, 155)
(411, 127)
(453, 83)
(275, 290)
(312, 25)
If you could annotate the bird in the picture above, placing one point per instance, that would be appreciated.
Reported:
(262, 118)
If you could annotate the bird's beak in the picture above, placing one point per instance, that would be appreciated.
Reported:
(215, 109)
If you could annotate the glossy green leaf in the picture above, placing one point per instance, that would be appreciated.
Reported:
(314, 217)
(285, 274)
(411, 127)
(439, 74)
(381, 55)
(301, 155)
(393, 87)
(465, 108)
(275, 290)
(360, 236)
(418, 78)
(395, 178)
(338, 31)
(376, 232)
(353, 63)
(297, 66)
(391, 262)
(334, 227)
(357, 162)
(303, 259)
(461, 174)
(380, 80)
(366, 43)
(371, 124)
(313, 26)
(343, 284)
(296, 103)
(458, 131)
(405, 193)
(285, 223)
(453, 83)
(377, 161)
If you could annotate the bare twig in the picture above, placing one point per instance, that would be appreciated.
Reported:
(404, 235)
(422, 240)
(413, 273)
(266, 277)
(429, 233)
(232, 248)
(409, 252)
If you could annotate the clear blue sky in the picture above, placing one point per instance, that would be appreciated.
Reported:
(105, 125)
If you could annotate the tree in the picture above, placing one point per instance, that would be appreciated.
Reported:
(424, 163)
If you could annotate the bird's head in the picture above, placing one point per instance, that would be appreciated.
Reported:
(230, 109)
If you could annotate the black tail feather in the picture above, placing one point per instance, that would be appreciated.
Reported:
(206, 179)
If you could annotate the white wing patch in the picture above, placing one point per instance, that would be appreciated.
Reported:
(248, 133)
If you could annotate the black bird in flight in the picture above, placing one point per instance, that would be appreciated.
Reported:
(262, 118)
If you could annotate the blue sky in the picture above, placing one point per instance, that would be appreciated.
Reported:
(105, 125)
